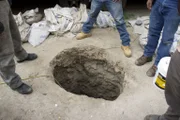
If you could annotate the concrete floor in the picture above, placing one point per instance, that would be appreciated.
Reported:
(50, 102)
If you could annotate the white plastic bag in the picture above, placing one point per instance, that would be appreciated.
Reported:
(109, 19)
(79, 15)
(175, 43)
(39, 33)
(59, 19)
(50, 17)
(23, 27)
(104, 20)
(76, 28)
(101, 21)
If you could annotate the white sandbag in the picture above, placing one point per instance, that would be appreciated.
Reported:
(39, 33)
(50, 17)
(30, 13)
(101, 20)
(132, 22)
(23, 27)
(24, 30)
(59, 19)
(109, 19)
(143, 40)
(104, 20)
(32, 16)
(175, 43)
(76, 28)
(65, 24)
(19, 19)
(83, 10)
(64, 12)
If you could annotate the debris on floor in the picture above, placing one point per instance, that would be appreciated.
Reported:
(58, 21)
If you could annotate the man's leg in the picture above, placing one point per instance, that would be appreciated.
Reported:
(20, 53)
(96, 6)
(116, 10)
(173, 83)
(171, 91)
(7, 64)
(155, 28)
(171, 23)
(169, 115)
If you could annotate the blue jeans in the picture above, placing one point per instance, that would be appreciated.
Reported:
(115, 8)
(161, 16)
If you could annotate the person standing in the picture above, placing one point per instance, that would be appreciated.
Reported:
(164, 16)
(10, 45)
(172, 91)
(116, 10)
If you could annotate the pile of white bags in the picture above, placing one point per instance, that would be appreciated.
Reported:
(57, 21)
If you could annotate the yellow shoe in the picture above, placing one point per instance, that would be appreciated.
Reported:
(83, 35)
(127, 51)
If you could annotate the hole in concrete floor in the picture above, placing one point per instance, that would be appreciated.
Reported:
(88, 71)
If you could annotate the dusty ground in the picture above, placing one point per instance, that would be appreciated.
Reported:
(50, 102)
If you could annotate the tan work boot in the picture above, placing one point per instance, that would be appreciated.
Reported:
(83, 35)
(152, 71)
(127, 51)
(143, 60)
(152, 117)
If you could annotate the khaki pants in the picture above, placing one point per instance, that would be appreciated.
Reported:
(10, 45)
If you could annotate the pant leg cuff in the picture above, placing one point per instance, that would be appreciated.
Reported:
(21, 55)
(16, 83)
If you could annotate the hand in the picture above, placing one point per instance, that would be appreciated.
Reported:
(149, 4)
(116, 0)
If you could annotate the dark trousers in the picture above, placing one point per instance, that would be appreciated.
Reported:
(10, 45)
(172, 90)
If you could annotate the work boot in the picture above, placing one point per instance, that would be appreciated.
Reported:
(24, 89)
(127, 51)
(152, 71)
(143, 60)
(83, 35)
(30, 57)
(152, 117)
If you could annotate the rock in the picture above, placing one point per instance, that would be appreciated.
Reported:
(139, 22)
(88, 71)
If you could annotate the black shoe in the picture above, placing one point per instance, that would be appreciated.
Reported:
(30, 57)
(24, 89)
(152, 117)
